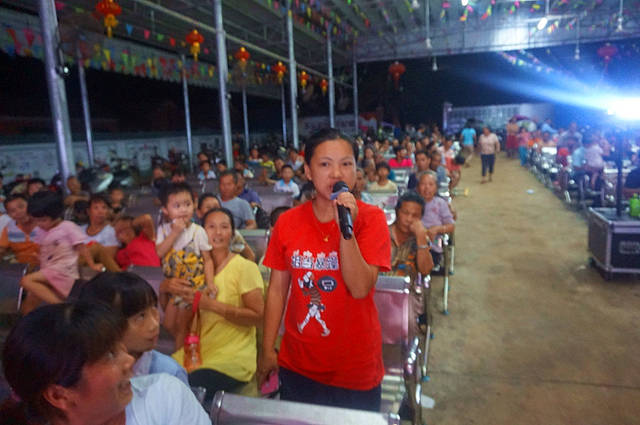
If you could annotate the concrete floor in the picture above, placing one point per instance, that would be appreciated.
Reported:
(534, 335)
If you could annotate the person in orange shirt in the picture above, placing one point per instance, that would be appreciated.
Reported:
(18, 235)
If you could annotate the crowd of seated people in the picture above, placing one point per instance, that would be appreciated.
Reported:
(580, 151)
(205, 259)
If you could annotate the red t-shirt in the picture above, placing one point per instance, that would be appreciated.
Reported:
(141, 251)
(330, 336)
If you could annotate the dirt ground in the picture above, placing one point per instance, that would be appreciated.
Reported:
(534, 335)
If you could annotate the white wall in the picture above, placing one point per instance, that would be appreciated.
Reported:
(40, 159)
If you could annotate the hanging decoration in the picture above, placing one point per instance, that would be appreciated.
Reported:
(396, 70)
(324, 85)
(242, 56)
(194, 39)
(109, 9)
(279, 69)
(607, 52)
(304, 79)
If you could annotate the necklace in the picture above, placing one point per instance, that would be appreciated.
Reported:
(317, 223)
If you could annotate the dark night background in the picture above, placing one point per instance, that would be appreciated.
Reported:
(127, 104)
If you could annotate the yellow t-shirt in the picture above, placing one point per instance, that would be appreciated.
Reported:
(226, 347)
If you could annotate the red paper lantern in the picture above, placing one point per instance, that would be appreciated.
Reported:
(109, 9)
(279, 69)
(396, 70)
(607, 52)
(242, 56)
(304, 79)
(194, 39)
(324, 85)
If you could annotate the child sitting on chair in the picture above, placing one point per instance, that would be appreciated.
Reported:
(60, 243)
(185, 252)
(137, 237)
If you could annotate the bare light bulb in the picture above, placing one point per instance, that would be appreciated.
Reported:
(434, 67)
(542, 23)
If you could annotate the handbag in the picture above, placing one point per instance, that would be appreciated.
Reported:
(192, 357)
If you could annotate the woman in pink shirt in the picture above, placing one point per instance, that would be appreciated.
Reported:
(489, 146)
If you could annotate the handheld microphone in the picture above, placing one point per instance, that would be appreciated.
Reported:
(344, 215)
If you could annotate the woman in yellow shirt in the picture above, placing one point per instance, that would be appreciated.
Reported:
(229, 313)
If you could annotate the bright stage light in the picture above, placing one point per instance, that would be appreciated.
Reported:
(542, 23)
(627, 109)
(464, 2)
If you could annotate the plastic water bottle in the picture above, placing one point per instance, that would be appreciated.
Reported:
(192, 357)
(634, 206)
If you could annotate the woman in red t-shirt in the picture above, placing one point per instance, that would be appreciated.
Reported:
(331, 351)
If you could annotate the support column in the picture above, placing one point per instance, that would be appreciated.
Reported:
(54, 66)
(187, 112)
(332, 93)
(86, 112)
(284, 114)
(223, 71)
(245, 116)
(293, 77)
(355, 93)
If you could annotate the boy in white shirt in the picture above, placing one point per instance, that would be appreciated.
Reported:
(286, 183)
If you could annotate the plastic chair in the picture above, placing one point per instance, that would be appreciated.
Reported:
(10, 290)
(402, 346)
(231, 409)
(257, 240)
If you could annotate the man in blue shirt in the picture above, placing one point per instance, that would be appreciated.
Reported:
(246, 193)
(468, 136)
(546, 126)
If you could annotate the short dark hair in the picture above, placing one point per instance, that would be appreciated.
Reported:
(15, 196)
(286, 166)
(410, 196)
(422, 152)
(230, 172)
(98, 197)
(172, 189)
(224, 211)
(203, 163)
(177, 172)
(52, 344)
(383, 164)
(323, 135)
(36, 180)
(46, 204)
(276, 213)
(397, 149)
(125, 293)
(205, 196)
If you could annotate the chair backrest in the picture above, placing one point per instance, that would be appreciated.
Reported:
(272, 200)
(142, 204)
(257, 240)
(402, 175)
(231, 409)
(392, 301)
(10, 276)
(384, 199)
